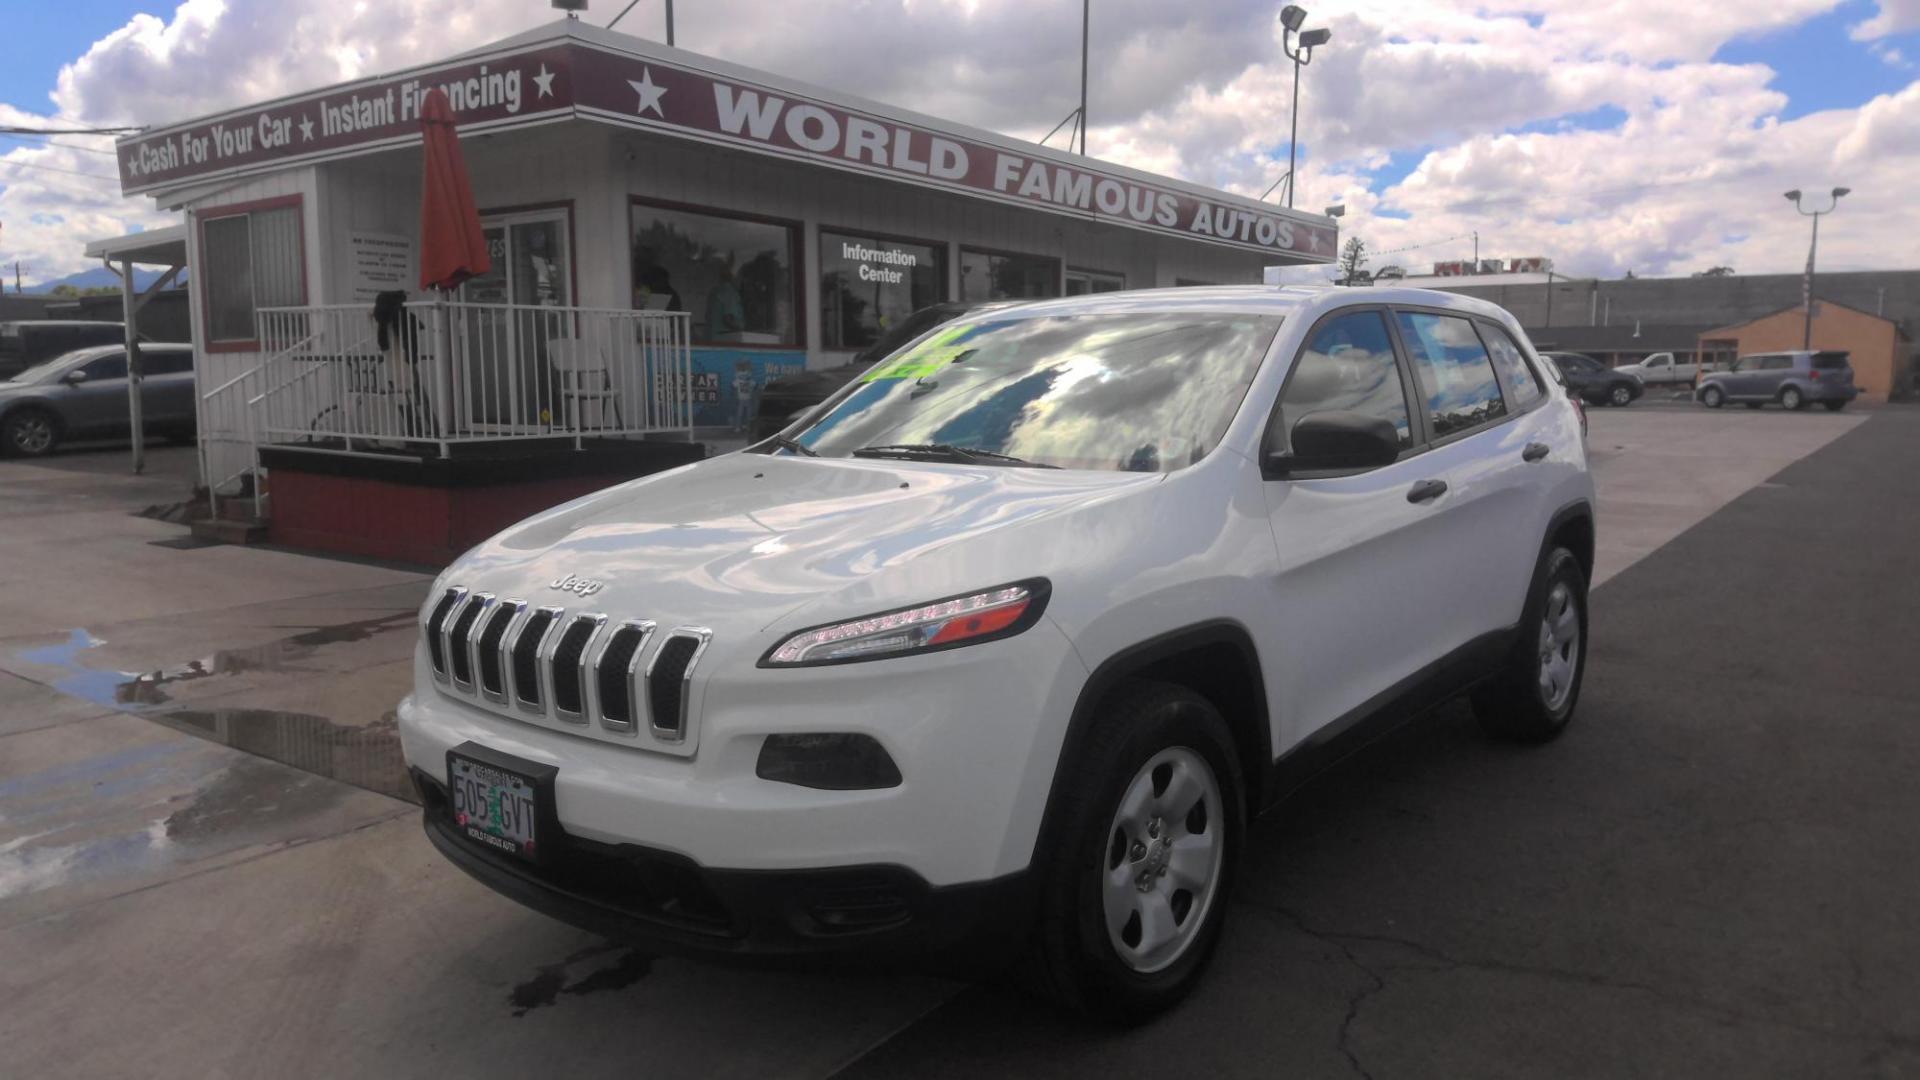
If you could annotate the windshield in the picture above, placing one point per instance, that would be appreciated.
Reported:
(1138, 392)
(44, 368)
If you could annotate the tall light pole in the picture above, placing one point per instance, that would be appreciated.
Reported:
(1291, 18)
(1806, 288)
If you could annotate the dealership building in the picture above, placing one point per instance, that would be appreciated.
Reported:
(667, 232)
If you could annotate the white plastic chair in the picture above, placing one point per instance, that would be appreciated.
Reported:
(584, 375)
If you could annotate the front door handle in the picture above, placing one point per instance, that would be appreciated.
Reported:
(1535, 451)
(1426, 490)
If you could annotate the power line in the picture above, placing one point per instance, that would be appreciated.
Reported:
(54, 169)
(62, 145)
(1429, 243)
(14, 129)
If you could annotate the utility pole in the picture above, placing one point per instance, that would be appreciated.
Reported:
(1476, 251)
(1086, 26)
(669, 22)
(1806, 287)
(1549, 298)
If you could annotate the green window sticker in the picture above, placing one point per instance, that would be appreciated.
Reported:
(934, 354)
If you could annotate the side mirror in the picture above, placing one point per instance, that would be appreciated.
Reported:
(74, 377)
(1340, 440)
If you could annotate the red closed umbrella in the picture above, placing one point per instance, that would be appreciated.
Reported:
(452, 247)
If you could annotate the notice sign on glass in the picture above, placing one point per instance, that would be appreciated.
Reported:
(379, 262)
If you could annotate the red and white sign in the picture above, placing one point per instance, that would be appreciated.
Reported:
(642, 92)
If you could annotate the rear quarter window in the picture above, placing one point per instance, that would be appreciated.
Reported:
(1830, 361)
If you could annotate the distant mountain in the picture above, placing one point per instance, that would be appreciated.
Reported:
(95, 278)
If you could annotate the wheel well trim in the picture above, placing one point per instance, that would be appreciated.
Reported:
(1125, 664)
(1578, 510)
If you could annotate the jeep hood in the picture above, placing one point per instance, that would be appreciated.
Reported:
(745, 539)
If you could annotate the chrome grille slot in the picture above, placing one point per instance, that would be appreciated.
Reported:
(526, 657)
(459, 652)
(436, 627)
(613, 674)
(570, 669)
(668, 678)
(489, 651)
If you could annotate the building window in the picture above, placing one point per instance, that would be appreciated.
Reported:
(249, 260)
(869, 285)
(999, 275)
(1082, 282)
(734, 275)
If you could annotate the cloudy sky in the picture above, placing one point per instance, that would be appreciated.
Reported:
(1609, 135)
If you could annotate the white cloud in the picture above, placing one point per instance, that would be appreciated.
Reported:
(1893, 17)
(1687, 176)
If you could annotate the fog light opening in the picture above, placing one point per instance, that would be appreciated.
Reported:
(831, 762)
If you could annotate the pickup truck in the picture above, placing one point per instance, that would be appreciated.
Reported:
(1661, 369)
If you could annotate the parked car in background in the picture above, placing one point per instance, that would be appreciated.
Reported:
(26, 342)
(785, 399)
(1663, 369)
(1595, 382)
(83, 395)
(1000, 650)
(1791, 379)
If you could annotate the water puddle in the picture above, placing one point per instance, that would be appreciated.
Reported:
(366, 756)
(551, 980)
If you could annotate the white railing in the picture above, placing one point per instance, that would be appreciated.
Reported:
(454, 373)
(226, 423)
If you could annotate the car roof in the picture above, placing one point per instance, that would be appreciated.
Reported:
(58, 322)
(1282, 300)
(91, 351)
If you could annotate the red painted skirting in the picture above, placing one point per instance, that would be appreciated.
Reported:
(380, 519)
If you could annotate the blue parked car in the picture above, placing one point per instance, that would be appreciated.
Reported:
(1790, 379)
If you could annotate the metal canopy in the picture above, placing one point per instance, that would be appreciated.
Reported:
(155, 247)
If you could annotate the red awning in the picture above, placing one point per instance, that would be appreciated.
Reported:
(452, 247)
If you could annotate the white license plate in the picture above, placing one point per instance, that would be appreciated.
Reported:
(493, 806)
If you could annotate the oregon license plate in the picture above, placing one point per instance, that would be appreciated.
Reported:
(494, 806)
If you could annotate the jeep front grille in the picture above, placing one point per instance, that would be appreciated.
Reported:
(667, 678)
(459, 649)
(581, 671)
(437, 625)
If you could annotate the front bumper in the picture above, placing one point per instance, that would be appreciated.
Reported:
(869, 917)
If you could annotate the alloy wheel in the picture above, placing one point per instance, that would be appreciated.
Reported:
(1790, 399)
(1559, 647)
(32, 434)
(1622, 395)
(1163, 860)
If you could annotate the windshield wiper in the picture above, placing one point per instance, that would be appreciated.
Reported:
(948, 452)
(794, 445)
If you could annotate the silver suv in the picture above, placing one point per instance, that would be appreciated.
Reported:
(1790, 378)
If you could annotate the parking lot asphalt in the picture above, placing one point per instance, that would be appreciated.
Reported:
(1711, 874)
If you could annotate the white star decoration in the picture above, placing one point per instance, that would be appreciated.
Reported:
(544, 81)
(306, 129)
(649, 94)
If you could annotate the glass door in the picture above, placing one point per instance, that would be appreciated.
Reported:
(506, 383)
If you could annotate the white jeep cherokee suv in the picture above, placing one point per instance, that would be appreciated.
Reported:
(994, 653)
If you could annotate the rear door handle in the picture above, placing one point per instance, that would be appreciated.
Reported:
(1426, 490)
(1535, 451)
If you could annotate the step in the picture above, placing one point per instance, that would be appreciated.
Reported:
(230, 532)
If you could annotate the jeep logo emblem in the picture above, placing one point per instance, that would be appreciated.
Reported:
(579, 586)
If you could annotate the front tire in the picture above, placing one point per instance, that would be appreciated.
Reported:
(1134, 888)
(1713, 397)
(1533, 697)
(30, 433)
(1791, 399)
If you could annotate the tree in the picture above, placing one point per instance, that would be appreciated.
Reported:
(1716, 271)
(1353, 258)
(69, 291)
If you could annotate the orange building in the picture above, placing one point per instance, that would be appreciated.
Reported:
(1878, 350)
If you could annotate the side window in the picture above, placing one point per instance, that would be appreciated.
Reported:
(1455, 373)
(1348, 366)
(1515, 373)
(107, 367)
(168, 362)
(1777, 363)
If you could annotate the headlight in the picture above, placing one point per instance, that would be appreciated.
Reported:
(942, 624)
